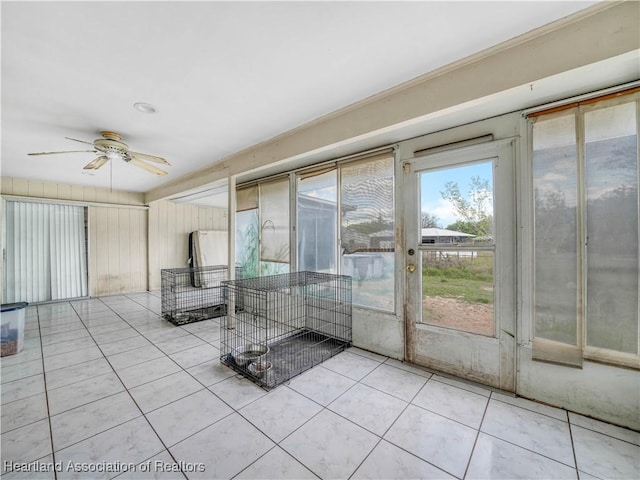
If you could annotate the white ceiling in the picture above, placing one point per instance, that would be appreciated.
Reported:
(223, 75)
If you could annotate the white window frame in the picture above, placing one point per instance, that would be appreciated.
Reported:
(556, 352)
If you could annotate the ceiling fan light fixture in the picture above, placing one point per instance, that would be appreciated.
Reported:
(110, 148)
(145, 107)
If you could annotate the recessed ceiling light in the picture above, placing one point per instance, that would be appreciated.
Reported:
(145, 107)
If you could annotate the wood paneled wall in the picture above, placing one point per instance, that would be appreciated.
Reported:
(127, 246)
(169, 227)
(117, 250)
(58, 191)
(117, 260)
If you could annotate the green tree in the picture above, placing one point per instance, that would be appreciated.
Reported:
(475, 209)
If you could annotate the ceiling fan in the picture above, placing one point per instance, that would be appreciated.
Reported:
(110, 147)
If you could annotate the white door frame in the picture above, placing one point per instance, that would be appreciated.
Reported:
(487, 360)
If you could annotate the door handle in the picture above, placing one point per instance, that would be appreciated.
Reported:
(411, 268)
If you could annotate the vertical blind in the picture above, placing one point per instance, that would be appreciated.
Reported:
(46, 252)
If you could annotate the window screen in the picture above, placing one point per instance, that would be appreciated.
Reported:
(367, 230)
(585, 178)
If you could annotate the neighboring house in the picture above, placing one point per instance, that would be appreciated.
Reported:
(442, 235)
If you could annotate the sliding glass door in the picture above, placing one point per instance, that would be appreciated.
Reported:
(46, 252)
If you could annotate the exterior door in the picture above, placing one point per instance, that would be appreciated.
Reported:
(460, 262)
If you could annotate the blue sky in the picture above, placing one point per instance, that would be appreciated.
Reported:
(433, 182)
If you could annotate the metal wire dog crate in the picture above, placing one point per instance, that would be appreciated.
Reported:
(192, 294)
(281, 325)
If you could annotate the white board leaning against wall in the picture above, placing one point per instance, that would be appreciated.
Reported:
(209, 247)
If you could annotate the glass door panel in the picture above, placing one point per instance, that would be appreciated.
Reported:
(457, 244)
(457, 290)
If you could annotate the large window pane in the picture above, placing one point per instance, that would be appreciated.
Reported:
(317, 222)
(457, 290)
(247, 241)
(367, 231)
(457, 211)
(555, 185)
(457, 205)
(262, 228)
(611, 173)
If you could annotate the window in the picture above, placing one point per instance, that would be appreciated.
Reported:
(585, 174)
(555, 174)
(317, 221)
(611, 190)
(247, 232)
(274, 227)
(344, 224)
(262, 228)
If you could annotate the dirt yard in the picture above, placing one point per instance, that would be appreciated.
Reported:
(460, 315)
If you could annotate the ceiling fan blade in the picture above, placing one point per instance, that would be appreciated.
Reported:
(97, 163)
(55, 153)
(81, 141)
(149, 168)
(150, 158)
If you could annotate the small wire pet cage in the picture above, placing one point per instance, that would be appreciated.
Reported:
(191, 294)
(282, 325)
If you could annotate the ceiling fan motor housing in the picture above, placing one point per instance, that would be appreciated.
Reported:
(108, 145)
(111, 135)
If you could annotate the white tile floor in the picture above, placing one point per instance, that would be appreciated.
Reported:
(105, 383)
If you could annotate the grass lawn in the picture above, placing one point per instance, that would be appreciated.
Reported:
(469, 279)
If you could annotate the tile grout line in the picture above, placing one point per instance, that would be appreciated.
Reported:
(381, 437)
(46, 396)
(164, 354)
(323, 407)
(142, 414)
(523, 447)
(278, 444)
(166, 448)
(603, 433)
(270, 450)
(113, 371)
(528, 450)
(237, 411)
(182, 369)
(475, 441)
(410, 403)
(429, 379)
(287, 385)
(573, 447)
